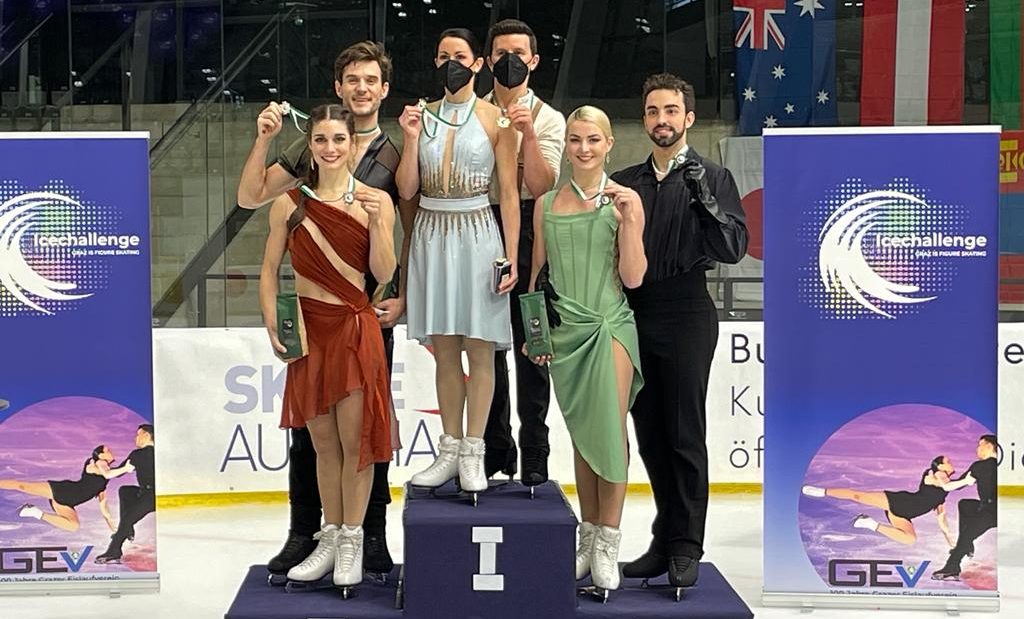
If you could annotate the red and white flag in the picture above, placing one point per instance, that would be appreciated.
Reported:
(743, 157)
(913, 62)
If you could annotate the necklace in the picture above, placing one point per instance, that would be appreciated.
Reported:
(673, 163)
(348, 197)
(604, 201)
(366, 132)
(288, 110)
(439, 115)
(504, 121)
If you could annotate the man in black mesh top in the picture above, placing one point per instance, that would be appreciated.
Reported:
(362, 74)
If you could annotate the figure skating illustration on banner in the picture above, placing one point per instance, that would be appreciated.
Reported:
(77, 479)
(880, 389)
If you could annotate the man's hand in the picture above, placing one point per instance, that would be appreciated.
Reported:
(550, 296)
(696, 178)
(522, 119)
(390, 311)
(269, 122)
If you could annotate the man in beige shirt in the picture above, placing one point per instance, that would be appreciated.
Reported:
(512, 56)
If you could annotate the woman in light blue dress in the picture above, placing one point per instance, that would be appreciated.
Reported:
(450, 151)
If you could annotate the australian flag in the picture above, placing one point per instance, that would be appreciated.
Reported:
(785, 63)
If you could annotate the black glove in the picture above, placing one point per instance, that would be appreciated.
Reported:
(543, 283)
(696, 178)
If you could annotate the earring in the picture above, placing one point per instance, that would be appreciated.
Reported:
(608, 158)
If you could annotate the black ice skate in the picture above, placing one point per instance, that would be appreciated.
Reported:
(296, 549)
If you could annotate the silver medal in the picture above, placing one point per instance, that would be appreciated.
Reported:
(503, 121)
(348, 197)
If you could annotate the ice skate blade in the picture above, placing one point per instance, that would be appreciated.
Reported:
(599, 594)
(377, 578)
(277, 580)
(422, 492)
(299, 586)
(348, 592)
(943, 577)
(400, 591)
(678, 592)
(646, 583)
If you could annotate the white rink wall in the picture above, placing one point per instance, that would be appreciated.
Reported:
(218, 399)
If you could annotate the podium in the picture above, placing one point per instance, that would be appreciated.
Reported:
(509, 557)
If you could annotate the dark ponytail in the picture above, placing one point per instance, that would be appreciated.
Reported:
(96, 455)
(936, 463)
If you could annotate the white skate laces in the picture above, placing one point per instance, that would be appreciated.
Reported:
(348, 543)
(605, 567)
(444, 460)
(444, 466)
(471, 465)
(323, 551)
(472, 452)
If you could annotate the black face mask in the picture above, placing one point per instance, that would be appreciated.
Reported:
(510, 71)
(454, 76)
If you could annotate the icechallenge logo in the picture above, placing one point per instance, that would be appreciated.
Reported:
(54, 248)
(883, 252)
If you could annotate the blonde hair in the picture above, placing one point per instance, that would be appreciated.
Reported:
(590, 114)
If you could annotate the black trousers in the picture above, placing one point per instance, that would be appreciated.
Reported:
(303, 492)
(533, 390)
(134, 504)
(975, 518)
(677, 345)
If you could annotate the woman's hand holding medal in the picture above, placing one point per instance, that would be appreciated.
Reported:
(627, 203)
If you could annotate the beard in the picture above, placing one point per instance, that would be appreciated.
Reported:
(669, 139)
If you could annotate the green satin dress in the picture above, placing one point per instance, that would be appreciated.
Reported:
(583, 253)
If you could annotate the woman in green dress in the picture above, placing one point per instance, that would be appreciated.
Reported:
(589, 234)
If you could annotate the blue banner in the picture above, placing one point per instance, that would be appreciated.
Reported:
(76, 467)
(785, 63)
(880, 321)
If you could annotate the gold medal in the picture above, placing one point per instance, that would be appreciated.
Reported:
(348, 197)
(503, 121)
(422, 104)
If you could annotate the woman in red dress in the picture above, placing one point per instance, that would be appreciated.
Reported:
(336, 229)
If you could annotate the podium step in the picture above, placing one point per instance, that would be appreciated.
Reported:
(509, 557)
(712, 598)
(257, 599)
